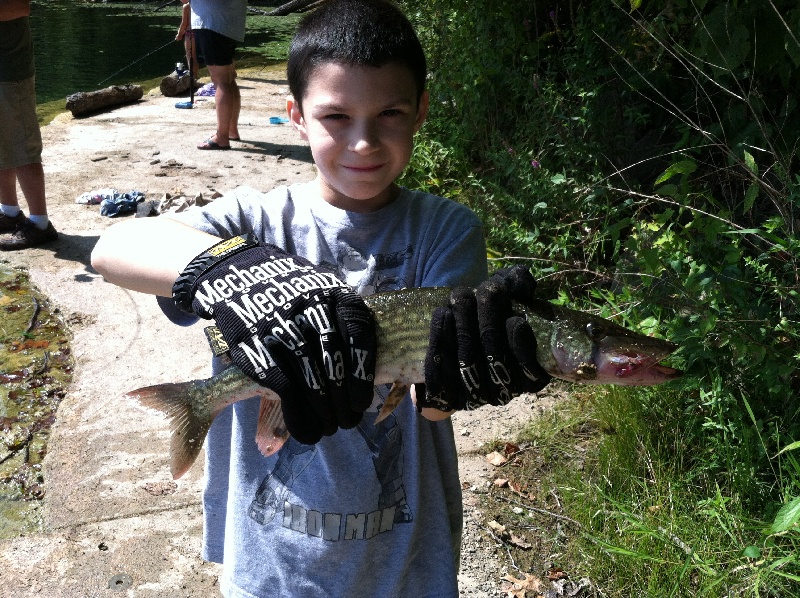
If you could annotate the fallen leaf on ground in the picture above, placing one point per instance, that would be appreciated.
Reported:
(556, 573)
(520, 542)
(498, 528)
(518, 588)
(510, 448)
(496, 459)
(517, 487)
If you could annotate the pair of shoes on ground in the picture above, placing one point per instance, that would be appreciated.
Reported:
(20, 233)
(210, 144)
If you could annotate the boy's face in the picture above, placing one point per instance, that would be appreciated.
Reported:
(360, 123)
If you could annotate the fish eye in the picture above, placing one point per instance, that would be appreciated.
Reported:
(596, 331)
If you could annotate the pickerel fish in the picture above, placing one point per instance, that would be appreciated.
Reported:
(571, 345)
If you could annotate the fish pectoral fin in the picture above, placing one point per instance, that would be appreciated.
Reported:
(271, 432)
(396, 394)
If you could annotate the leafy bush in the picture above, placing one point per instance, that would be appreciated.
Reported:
(643, 157)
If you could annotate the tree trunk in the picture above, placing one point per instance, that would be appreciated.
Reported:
(91, 101)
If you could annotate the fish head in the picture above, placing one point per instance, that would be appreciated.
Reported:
(634, 362)
(592, 350)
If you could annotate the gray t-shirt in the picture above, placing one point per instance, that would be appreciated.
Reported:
(227, 17)
(372, 511)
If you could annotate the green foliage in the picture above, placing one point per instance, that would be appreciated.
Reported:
(643, 156)
(633, 515)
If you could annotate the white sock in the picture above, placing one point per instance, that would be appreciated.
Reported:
(10, 211)
(39, 221)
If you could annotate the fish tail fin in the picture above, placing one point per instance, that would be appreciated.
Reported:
(188, 427)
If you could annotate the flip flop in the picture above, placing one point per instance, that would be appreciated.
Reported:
(234, 138)
(210, 144)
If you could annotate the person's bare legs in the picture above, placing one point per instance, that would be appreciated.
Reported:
(18, 231)
(8, 187)
(228, 102)
(31, 181)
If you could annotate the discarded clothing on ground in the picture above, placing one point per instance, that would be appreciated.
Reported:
(96, 196)
(112, 202)
(179, 202)
(120, 203)
(176, 201)
(208, 90)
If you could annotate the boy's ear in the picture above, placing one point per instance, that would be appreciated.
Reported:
(296, 117)
(422, 110)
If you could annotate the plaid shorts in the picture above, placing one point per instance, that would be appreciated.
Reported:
(20, 136)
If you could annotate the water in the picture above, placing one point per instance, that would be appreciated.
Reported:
(78, 45)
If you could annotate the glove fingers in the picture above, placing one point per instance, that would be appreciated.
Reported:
(531, 376)
(332, 348)
(494, 308)
(342, 329)
(517, 283)
(495, 348)
(472, 363)
(494, 311)
(301, 421)
(327, 353)
(357, 327)
(442, 383)
(306, 364)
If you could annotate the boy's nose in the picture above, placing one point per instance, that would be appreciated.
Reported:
(364, 138)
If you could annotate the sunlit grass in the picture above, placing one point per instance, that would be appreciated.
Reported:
(603, 488)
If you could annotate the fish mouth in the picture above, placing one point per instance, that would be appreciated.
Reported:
(632, 368)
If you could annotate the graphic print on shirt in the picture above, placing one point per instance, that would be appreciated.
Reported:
(384, 442)
(372, 274)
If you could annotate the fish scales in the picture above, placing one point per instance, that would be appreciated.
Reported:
(571, 345)
(402, 328)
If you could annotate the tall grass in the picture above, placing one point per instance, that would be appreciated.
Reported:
(617, 501)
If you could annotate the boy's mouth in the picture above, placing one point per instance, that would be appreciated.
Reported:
(372, 168)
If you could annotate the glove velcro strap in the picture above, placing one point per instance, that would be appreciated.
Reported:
(184, 285)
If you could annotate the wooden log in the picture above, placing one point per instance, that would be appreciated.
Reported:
(85, 102)
(173, 85)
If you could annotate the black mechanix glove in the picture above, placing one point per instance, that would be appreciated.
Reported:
(291, 326)
(480, 351)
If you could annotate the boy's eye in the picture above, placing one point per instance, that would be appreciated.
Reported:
(392, 112)
(334, 117)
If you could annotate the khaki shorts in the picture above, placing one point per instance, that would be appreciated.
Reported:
(20, 137)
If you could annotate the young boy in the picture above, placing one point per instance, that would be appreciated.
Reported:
(372, 509)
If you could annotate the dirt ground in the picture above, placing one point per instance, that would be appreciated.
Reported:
(115, 523)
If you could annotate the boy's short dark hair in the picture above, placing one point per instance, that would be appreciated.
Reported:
(355, 32)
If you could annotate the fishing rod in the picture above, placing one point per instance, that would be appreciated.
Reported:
(137, 61)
